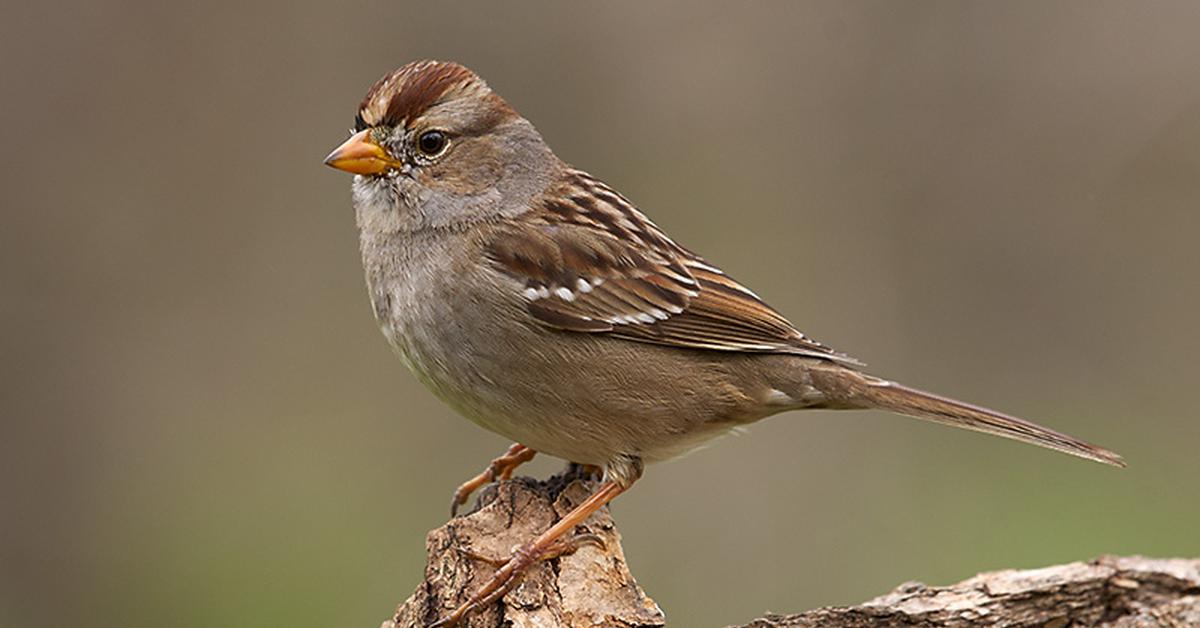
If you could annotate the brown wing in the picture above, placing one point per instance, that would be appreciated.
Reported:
(590, 262)
(584, 279)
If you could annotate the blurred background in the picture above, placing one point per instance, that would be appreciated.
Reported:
(202, 426)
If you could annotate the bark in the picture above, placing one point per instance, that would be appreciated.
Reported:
(1109, 591)
(593, 587)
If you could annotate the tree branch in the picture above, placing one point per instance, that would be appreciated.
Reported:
(1109, 591)
(593, 587)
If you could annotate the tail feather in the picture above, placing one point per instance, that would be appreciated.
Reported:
(864, 391)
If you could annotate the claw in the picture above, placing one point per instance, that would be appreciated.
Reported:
(501, 468)
(473, 555)
(549, 544)
(566, 547)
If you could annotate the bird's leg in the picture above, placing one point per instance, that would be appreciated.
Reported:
(501, 468)
(548, 544)
(561, 547)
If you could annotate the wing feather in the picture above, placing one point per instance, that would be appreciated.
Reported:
(592, 263)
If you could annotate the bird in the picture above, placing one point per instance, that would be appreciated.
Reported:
(540, 303)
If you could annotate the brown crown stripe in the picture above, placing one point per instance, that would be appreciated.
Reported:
(424, 88)
(410, 91)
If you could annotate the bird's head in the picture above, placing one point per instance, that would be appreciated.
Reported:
(431, 140)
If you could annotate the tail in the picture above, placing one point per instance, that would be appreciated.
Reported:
(850, 389)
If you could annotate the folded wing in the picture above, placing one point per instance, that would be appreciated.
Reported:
(592, 263)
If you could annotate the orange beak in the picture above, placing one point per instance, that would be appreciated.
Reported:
(361, 155)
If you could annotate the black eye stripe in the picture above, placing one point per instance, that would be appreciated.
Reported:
(359, 123)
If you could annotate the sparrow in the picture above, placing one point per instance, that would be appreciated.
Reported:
(540, 303)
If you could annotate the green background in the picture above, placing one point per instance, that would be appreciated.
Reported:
(202, 426)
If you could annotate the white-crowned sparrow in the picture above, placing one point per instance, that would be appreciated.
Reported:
(541, 304)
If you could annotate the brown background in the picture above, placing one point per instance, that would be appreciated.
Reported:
(201, 425)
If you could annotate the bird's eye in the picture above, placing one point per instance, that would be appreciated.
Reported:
(432, 142)
(359, 123)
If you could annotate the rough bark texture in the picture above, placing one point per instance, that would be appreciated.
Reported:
(592, 587)
(1109, 591)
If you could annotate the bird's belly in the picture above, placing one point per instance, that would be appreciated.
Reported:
(571, 407)
(583, 397)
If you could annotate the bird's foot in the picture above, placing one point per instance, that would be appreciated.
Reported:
(560, 547)
(552, 543)
(509, 572)
(501, 468)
